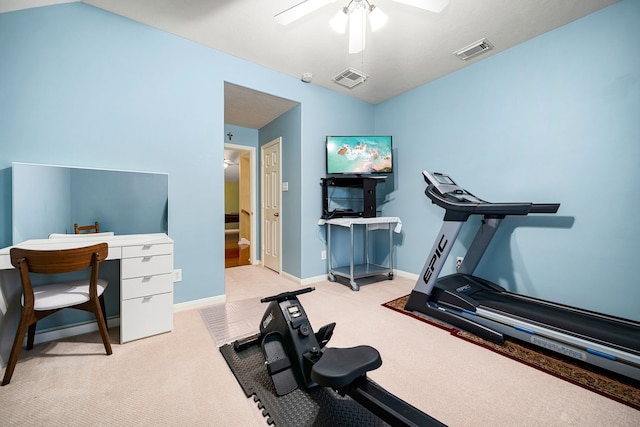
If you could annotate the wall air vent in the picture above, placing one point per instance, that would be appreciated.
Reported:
(474, 49)
(350, 78)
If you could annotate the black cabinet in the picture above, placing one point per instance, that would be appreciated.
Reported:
(344, 197)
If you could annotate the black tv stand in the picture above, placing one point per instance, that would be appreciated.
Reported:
(367, 202)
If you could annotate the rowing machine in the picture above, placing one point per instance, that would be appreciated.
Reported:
(296, 357)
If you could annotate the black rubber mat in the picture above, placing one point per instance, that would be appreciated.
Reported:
(318, 406)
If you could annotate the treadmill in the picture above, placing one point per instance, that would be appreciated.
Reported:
(491, 312)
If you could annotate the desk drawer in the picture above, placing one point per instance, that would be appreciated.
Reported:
(146, 266)
(114, 253)
(146, 285)
(5, 262)
(147, 250)
(146, 316)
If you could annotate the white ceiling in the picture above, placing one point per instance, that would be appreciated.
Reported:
(414, 48)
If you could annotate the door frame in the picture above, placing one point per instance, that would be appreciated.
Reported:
(252, 158)
(269, 144)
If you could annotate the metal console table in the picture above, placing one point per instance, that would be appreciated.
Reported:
(355, 271)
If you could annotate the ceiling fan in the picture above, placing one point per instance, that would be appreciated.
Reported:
(354, 13)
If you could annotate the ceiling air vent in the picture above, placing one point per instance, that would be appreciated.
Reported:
(350, 78)
(473, 49)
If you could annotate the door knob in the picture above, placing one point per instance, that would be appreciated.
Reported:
(276, 214)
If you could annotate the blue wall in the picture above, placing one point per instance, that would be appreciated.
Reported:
(338, 118)
(241, 135)
(83, 87)
(288, 126)
(554, 119)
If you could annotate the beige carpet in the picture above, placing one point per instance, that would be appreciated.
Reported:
(180, 378)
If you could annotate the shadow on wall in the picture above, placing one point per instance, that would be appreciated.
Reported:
(6, 224)
(499, 258)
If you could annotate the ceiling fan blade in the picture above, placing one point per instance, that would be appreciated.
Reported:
(430, 5)
(300, 10)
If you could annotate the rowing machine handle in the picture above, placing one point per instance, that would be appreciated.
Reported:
(287, 295)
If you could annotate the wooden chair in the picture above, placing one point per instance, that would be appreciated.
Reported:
(41, 301)
(95, 228)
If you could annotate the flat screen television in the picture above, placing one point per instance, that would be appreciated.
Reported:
(359, 155)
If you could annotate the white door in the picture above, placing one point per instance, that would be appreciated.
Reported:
(271, 214)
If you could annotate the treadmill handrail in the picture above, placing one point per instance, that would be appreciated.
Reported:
(544, 208)
(460, 211)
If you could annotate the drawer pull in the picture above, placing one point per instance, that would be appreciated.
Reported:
(146, 247)
(146, 299)
(147, 279)
(147, 259)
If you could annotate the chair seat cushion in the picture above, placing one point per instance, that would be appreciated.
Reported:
(60, 295)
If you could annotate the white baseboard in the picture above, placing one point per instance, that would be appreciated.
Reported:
(323, 277)
(315, 279)
(406, 274)
(290, 277)
(54, 334)
(199, 303)
(307, 281)
(58, 333)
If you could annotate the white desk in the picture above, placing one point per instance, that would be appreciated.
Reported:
(146, 283)
(354, 271)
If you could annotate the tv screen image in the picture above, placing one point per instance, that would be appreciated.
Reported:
(359, 155)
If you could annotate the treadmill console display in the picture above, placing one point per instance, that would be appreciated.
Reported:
(443, 179)
(442, 182)
(447, 187)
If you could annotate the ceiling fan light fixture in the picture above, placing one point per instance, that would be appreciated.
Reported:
(356, 29)
(340, 20)
(355, 16)
(377, 18)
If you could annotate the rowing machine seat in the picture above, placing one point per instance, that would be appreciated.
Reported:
(339, 367)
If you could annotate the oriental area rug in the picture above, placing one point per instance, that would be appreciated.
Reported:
(618, 388)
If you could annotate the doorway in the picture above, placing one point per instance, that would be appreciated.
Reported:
(239, 205)
(253, 110)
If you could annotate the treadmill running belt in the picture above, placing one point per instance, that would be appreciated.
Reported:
(587, 326)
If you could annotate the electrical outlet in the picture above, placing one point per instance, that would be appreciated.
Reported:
(459, 262)
(177, 275)
(323, 255)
